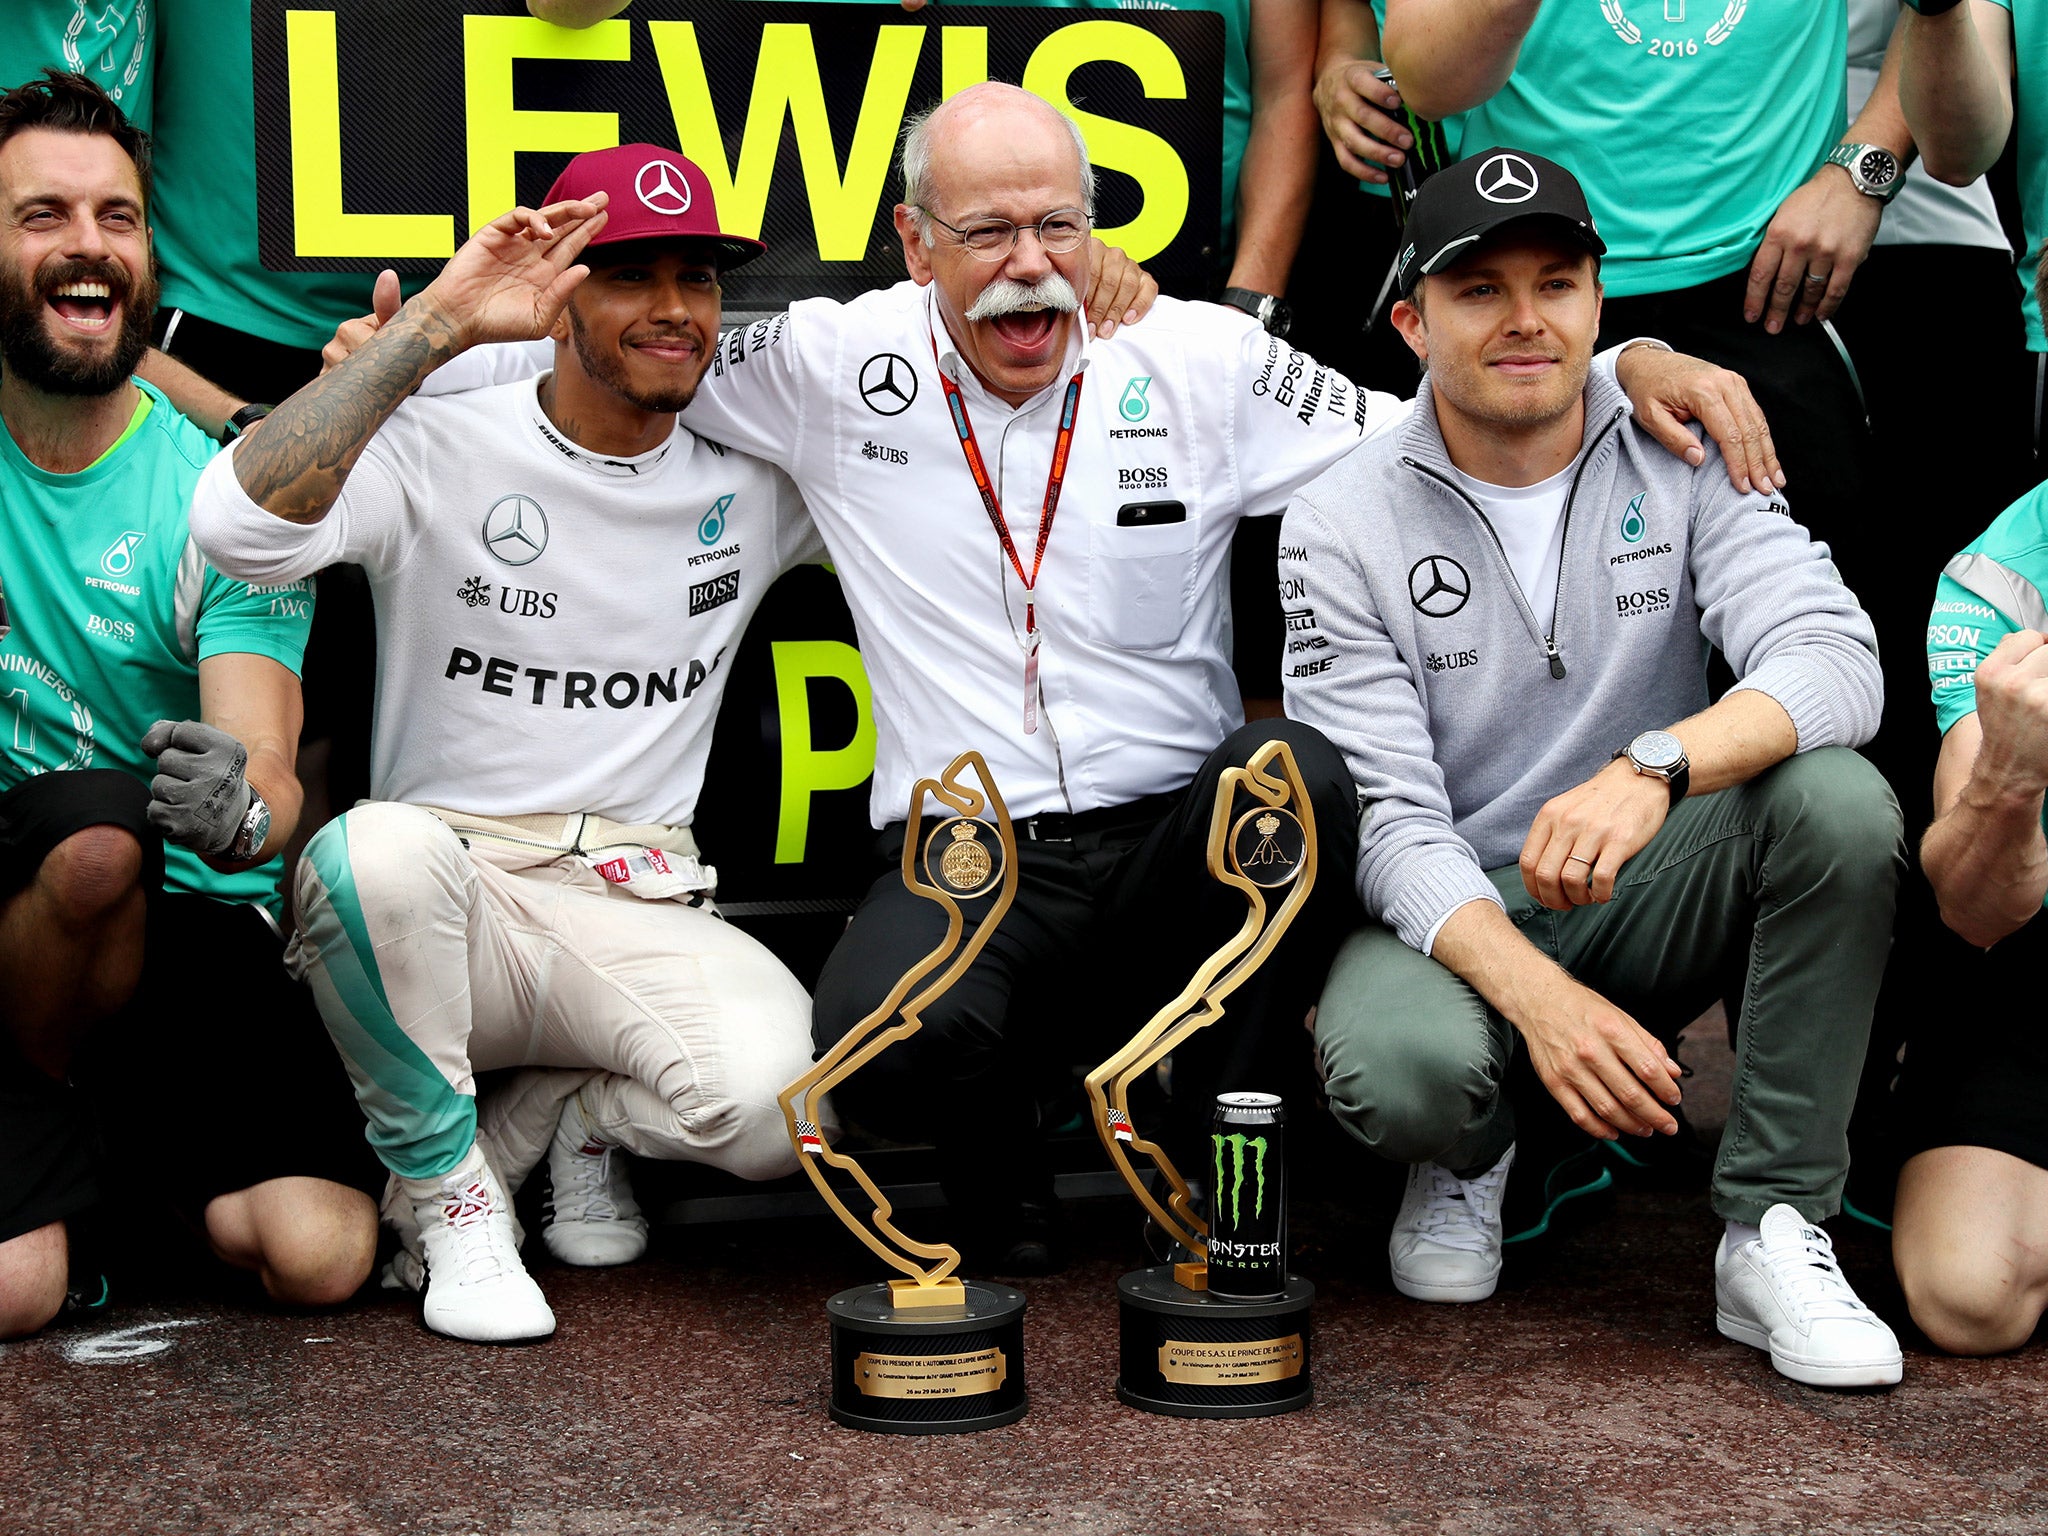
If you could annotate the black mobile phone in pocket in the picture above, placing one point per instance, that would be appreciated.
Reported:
(1150, 514)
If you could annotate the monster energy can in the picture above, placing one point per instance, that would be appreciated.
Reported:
(1430, 153)
(1248, 1198)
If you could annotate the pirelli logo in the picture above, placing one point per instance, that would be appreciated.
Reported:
(715, 593)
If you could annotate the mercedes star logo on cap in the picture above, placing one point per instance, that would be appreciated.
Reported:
(1507, 179)
(516, 530)
(1438, 586)
(888, 384)
(663, 188)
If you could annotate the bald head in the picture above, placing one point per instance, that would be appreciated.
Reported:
(986, 130)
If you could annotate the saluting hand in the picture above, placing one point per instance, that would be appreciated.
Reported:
(512, 277)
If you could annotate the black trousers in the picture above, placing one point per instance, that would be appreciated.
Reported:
(1107, 926)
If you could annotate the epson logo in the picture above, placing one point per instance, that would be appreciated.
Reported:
(715, 593)
(1149, 477)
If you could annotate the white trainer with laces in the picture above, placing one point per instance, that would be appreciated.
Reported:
(592, 1218)
(1784, 1293)
(477, 1289)
(1445, 1245)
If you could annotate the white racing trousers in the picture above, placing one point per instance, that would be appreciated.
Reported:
(436, 955)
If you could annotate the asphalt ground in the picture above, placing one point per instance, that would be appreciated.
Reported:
(686, 1394)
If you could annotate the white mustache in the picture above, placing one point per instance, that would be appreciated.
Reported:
(1006, 296)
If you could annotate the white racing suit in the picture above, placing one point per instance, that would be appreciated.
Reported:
(441, 945)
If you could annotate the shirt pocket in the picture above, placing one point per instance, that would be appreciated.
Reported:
(1141, 582)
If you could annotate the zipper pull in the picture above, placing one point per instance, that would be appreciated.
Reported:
(1556, 661)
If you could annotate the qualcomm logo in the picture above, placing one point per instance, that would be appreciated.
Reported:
(516, 530)
(119, 559)
(712, 528)
(1134, 406)
(1632, 524)
(1237, 1146)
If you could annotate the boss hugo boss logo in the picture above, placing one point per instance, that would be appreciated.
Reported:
(715, 593)
(516, 530)
(662, 188)
(1634, 605)
(888, 384)
(1438, 586)
(1147, 477)
(1506, 179)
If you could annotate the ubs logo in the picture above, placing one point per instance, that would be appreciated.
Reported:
(1438, 586)
(887, 384)
(516, 530)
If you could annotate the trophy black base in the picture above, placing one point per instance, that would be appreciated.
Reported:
(1200, 1356)
(927, 1370)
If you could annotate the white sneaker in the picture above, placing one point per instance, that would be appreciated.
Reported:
(592, 1218)
(1784, 1293)
(1445, 1245)
(476, 1287)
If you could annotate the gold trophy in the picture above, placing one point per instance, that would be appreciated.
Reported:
(926, 1353)
(1238, 1349)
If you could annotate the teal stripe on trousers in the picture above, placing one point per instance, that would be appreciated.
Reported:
(419, 1126)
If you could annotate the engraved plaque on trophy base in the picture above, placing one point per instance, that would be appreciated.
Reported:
(1199, 1356)
(927, 1370)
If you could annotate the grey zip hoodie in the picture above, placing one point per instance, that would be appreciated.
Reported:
(1461, 711)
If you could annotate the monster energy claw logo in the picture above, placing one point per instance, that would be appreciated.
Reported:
(1238, 1145)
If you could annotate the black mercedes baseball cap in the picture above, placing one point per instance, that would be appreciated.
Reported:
(1468, 200)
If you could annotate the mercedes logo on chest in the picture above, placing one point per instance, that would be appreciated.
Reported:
(888, 384)
(1438, 586)
(516, 530)
(663, 188)
(1506, 179)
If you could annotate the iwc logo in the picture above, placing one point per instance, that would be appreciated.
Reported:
(516, 530)
(1267, 846)
(1708, 25)
(963, 856)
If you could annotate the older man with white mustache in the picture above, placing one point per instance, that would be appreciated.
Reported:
(1033, 528)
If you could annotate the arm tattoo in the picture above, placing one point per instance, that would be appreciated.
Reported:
(296, 466)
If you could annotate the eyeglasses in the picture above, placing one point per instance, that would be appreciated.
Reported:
(1058, 232)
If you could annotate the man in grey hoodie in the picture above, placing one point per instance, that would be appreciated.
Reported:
(1500, 614)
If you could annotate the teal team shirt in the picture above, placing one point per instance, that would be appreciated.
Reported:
(111, 42)
(2030, 113)
(1687, 121)
(112, 609)
(1987, 592)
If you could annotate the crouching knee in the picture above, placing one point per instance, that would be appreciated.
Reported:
(1965, 1310)
(33, 1270)
(1412, 1107)
(380, 853)
(312, 1242)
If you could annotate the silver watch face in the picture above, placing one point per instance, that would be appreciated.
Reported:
(255, 826)
(1658, 751)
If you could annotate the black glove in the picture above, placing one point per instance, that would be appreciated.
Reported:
(199, 795)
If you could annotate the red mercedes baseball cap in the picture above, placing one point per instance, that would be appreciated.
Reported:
(655, 195)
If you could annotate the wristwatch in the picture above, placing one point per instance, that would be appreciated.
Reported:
(255, 828)
(242, 421)
(1874, 169)
(1274, 313)
(1660, 755)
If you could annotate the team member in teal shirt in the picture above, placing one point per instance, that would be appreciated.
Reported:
(113, 47)
(1970, 1224)
(145, 700)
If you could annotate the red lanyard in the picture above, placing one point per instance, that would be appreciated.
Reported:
(1055, 477)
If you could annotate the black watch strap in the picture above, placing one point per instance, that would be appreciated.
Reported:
(242, 421)
(1271, 311)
